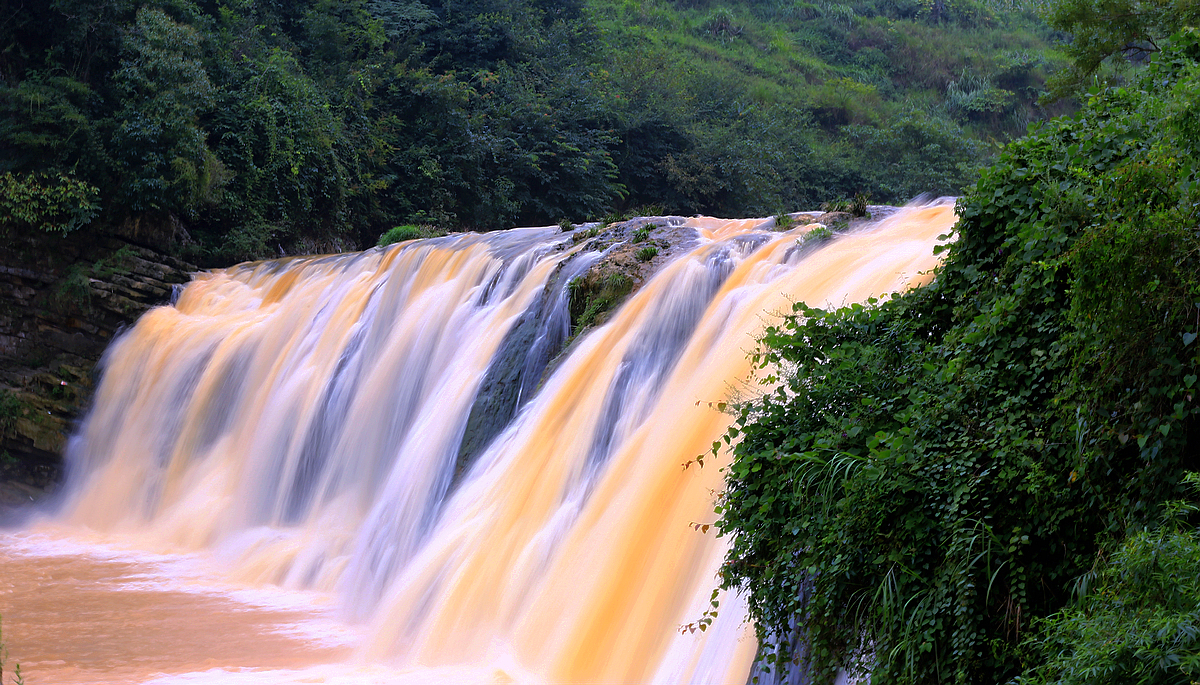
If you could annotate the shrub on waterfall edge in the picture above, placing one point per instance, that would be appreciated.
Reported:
(937, 475)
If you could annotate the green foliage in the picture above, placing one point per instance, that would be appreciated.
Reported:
(842, 205)
(721, 24)
(844, 101)
(72, 293)
(647, 253)
(10, 410)
(280, 142)
(641, 235)
(973, 96)
(932, 473)
(254, 129)
(915, 153)
(45, 125)
(1139, 621)
(855, 206)
(58, 204)
(159, 147)
(858, 205)
(594, 295)
(615, 217)
(817, 234)
(581, 236)
(398, 234)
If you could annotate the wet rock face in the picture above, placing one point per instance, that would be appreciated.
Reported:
(62, 300)
(516, 371)
(613, 262)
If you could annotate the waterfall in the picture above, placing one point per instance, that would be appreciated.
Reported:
(387, 429)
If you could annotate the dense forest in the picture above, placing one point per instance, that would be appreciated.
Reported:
(233, 130)
(992, 479)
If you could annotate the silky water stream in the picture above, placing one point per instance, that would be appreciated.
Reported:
(273, 485)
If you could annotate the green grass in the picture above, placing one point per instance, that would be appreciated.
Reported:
(647, 253)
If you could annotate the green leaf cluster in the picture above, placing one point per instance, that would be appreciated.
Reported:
(58, 204)
(1109, 35)
(930, 475)
(1139, 618)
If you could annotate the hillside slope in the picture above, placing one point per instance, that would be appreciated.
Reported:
(227, 131)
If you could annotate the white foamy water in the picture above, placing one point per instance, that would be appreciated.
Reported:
(277, 483)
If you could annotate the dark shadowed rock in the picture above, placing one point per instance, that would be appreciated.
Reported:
(62, 301)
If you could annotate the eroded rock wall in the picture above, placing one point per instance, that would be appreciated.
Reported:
(62, 301)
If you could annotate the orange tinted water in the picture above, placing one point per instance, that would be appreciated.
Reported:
(271, 459)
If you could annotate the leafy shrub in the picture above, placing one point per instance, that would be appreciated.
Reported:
(917, 152)
(615, 217)
(593, 296)
(843, 101)
(399, 234)
(836, 206)
(721, 24)
(641, 235)
(817, 234)
(647, 253)
(651, 209)
(56, 204)
(858, 205)
(10, 412)
(973, 96)
(1138, 618)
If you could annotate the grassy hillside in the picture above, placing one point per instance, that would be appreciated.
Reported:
(787, 104)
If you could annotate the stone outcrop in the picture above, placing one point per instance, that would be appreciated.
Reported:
(62, 301)
(632, 251)
(613, 262)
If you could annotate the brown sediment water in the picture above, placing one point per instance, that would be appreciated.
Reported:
(269, 488)
(71, 616)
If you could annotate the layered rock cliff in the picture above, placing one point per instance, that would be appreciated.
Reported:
(62, 300)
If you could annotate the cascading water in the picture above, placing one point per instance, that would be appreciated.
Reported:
(376, 435)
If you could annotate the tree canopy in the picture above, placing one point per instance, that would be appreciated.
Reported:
(1103, 30)
(232, 130)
